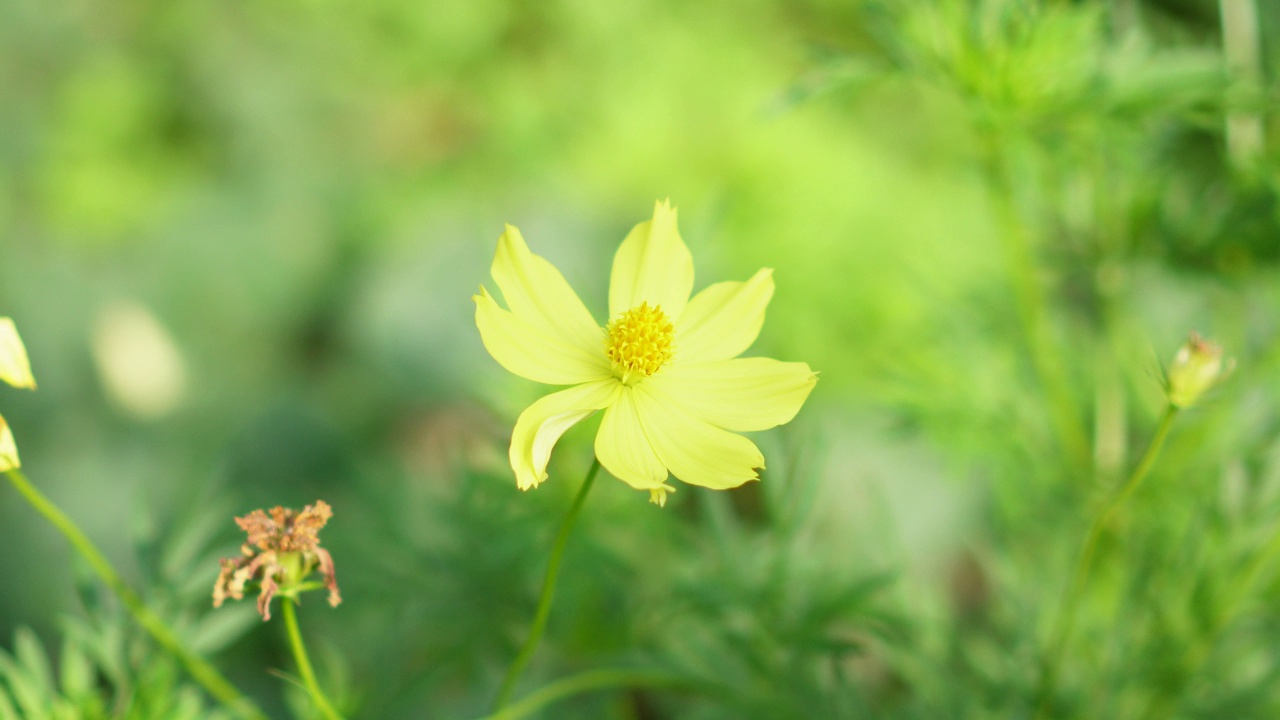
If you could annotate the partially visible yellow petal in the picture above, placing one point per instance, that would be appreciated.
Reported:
(531, 351)
(537, 293)
(542, 423)
(696, 451)
(623, 449)
(8, 449)
(723, 320)
(652, 265)
(741, 395)
(15, 369)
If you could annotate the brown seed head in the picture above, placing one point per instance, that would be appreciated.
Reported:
(286, 530)
(275, 536)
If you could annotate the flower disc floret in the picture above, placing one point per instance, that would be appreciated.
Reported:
(639, 343)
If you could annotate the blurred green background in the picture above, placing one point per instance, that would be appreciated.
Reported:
(240, 240)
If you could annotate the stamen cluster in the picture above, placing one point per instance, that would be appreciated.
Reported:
(639, 342)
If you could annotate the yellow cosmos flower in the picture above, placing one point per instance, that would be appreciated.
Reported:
(665, 369)
(15, 370)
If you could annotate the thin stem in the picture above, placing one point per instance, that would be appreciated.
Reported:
(1065, 621)
(548, 591)
(1032, 305)
(1242, 46)
(203, 672)
(304, 662)
(586, 682)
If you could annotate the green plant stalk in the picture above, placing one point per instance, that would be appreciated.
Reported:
(586, 682)
(201, 671)
(1065, 621)
(304, 662)
(548, 592)
(1242, 46)
(1032, 306)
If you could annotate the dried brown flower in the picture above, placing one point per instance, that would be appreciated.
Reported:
(282, 550)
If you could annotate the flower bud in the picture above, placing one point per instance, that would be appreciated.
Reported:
(1197, 367)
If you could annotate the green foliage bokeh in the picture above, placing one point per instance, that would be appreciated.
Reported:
(991, 222)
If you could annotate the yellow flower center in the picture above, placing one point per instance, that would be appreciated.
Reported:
(639, 342)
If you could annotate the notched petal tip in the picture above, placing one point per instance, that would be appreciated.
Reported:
(694, 450)
(658, 495)
(527, 482)
(652, 265)
(664, 212)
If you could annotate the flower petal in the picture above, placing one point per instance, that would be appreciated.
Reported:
(531, 351)
(14, 367)
(8, 448)
(723, 320)
(537, 293)
(542, 424)
(652, 265)
(696, 451)
(624, 450)
(741, 395)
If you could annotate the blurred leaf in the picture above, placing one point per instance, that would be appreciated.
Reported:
(223, 626)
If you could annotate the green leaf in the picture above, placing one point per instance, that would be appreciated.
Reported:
(6, 708)
(31, 656)
(26, 692)
(218, 629)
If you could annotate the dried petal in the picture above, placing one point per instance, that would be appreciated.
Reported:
(330, 575)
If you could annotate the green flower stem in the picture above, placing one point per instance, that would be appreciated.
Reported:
(203, 672)
(304, 662)
(548, 591)
(1066, 613)
(586, 682)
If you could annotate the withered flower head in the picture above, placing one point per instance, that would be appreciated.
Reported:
(282, 550)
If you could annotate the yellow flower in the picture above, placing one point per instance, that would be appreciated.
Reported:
(665, 369)
(15, 370)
